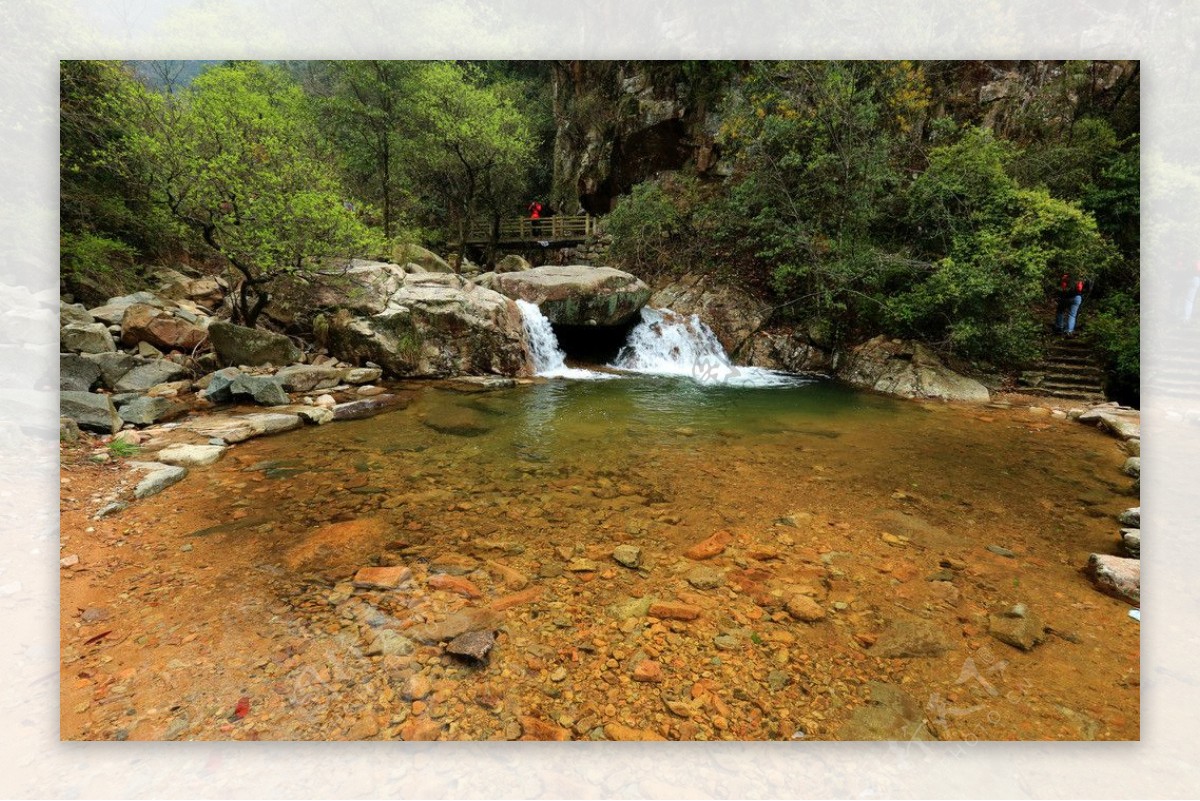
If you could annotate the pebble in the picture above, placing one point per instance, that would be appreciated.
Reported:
(805, 609)
(628, 555)
(705, 578)
(473, 644)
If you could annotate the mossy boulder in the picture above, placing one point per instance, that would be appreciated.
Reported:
(434, 325)
(577, 294)
(407, 253)
(236, 345)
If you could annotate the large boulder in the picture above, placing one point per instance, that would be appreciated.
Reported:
(76, 373)
(69, 313)
(435, 325)
(91, 411)
(577, 294)
(161, 328)
(86, 338)
(113, 311)
(512, 263)
(113, 366)
(307, 377)
(363, 287)
(145, 410)
(149, 374)
(236, 344)
(908, 370)
(231, 384)
(415, 254)
(733, 315)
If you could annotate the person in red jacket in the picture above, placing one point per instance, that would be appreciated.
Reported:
(535, 214)
(1070, 297)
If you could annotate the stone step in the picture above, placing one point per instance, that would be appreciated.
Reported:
(1072, 380)
(1072, 369)
(1090, 397)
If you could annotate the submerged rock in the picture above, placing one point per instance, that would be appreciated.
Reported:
(910, 638)
(577, 294)
(890, 714)
(473, 645)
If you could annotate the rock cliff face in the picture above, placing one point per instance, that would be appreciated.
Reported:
(621, 122)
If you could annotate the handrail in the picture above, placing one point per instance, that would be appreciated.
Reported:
(559, 228)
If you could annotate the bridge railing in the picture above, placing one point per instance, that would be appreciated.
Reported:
(562, 227)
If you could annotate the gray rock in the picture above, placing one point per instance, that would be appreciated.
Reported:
(91, 411)
(68, 430)
(908, 370)
(1116, 576)
(264, 390)
(367, 407)
(427, 260)
(86, 338)
(305, 377)
(905, 639)
(119, 399)
(1019, 628)
(462, 622)
(1131, 541)
(111, 509)
(362, 375)
(1000, 550)
(390, 643)
(218, 385)
(145, 410)
(1119, 425)
(473, 645)
(628, 555)
(76, 373)
(150, 374)
(1131, 517)
(890, 714)
(458, 421)
(316, 415)
(235, 344)
(113, 366)
(158, 480)
(113, 312)
(73, 314)
(577, 294)
(191, 455)
(148, 351)
(1133, 467)
(727, 642)
(705, 578)
(512, 263)
(243, 427)
(435, 325)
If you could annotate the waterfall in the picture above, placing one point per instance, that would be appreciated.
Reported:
(667, 343)
(548, 358)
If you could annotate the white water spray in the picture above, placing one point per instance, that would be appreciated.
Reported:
(548, 358)
(666, 343)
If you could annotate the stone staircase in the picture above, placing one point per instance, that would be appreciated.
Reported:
(1068, 371)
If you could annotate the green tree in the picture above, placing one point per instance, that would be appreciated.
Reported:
(994, 249)
(469, 144)
(236, 159)
(364, 106)
(106, 217)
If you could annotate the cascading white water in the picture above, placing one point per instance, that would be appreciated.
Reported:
(666, 343)
(548, 358)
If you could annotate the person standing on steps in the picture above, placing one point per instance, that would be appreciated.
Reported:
(1070, 297)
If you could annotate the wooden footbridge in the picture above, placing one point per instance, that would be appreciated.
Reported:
(561, 230)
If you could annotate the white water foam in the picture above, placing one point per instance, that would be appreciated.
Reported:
(548, 358)
(666, 343)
